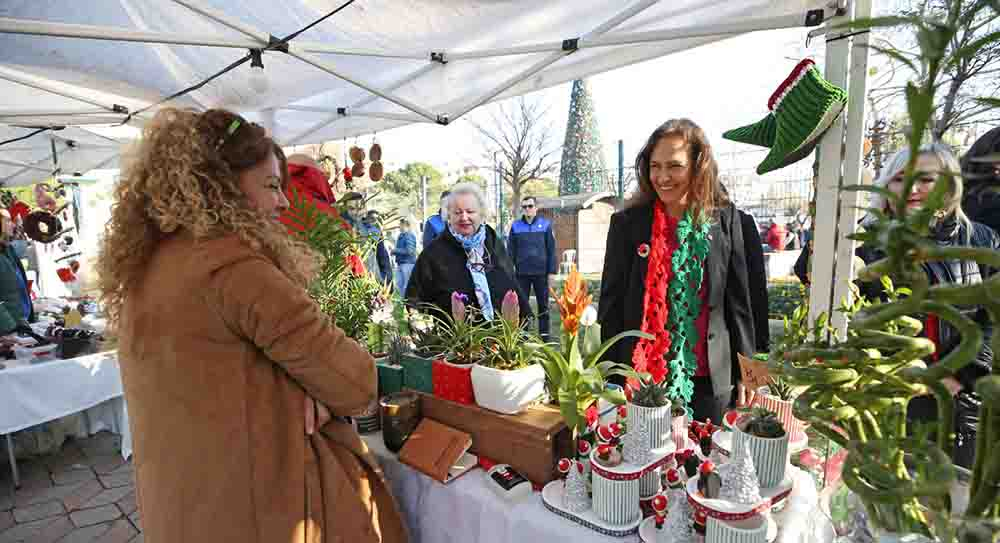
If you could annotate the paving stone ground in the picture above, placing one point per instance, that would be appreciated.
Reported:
(82, 494)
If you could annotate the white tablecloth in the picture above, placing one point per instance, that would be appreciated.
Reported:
(32, 394)
(467, 510)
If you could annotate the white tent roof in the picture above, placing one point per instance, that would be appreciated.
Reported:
(373, 58)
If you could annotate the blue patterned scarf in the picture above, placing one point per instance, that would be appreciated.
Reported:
(475, 251)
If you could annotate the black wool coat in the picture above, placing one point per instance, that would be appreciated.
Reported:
(737, 289)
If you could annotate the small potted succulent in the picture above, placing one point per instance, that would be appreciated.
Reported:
(766, 437)
(427, 346)
(391, 373)
(650, 402)
(507, 378)
(777, 396)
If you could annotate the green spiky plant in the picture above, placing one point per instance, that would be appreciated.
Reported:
(763, 423)
(650, 394)
(858, 387)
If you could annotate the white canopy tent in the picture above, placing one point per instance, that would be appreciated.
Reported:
(373, 65)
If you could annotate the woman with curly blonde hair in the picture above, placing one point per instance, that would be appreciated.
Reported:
(231, 372)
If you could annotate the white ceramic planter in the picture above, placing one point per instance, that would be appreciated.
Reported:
(751, 530)
(657, 419)
(508, 391)
(770, 455)
(616, 493)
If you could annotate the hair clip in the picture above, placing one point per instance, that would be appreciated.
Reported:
(233, 127)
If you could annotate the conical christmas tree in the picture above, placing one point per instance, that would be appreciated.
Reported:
(739, 479)
(582, 168)
(679, 525)
(576, 497)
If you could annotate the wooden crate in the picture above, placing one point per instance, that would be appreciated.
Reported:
(532, 442)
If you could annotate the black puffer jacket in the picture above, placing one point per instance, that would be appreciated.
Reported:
(982, 201)
(441, 269)
(954, 272)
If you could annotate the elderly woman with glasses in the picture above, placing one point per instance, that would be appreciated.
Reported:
(468, 258)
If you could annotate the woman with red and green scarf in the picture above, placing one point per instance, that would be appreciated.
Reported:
(686, 266)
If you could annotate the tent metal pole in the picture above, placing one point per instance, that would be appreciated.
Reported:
(363, 102)
(385, 115)
(24, 165)
(554, 57)
(831, 147)
(324, 48)
(739, 27)
(50, 112)
(850, 201)
(10, 75)
(93, 32)
(630, 38)
(265, 39)
(64, 121)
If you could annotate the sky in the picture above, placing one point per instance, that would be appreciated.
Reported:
(719, 86)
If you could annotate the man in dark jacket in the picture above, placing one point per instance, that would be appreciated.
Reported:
(532, 248)
(437, 223)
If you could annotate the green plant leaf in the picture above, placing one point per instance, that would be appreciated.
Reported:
(611, 341)
(897, 55)
(991, 102)
(615, 397)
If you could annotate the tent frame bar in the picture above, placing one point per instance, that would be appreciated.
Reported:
(50, 112)
(11, 76)
(257, 38)
(635, 38)
(25, 165)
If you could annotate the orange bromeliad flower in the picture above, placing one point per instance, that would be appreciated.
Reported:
(573, 302)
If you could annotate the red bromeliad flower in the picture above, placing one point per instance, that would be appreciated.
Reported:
(355, 264)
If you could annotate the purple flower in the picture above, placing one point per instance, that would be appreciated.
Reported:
(510, 309)
(458, 301)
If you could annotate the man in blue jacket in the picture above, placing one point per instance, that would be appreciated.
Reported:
(437, 223)
(532, 248)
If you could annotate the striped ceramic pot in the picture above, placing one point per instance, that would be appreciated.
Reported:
(615, 493)
(657, 419)
(751, 530)
(769, 454)
(782, 408)
(649, 484)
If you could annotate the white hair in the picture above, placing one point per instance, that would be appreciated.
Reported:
(949, 164)
(466, 189)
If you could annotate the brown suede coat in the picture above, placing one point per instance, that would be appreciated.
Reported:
(218, 350)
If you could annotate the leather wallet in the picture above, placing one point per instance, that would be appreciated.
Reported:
(438, 451)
